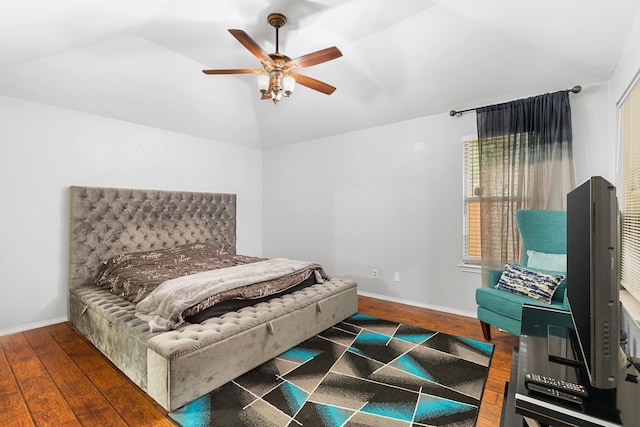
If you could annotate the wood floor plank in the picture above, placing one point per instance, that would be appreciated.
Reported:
(54, 360)
(45, 402)
(133, 405)
(128, 399)
(77, 347)
(85, 400)
(13, 410)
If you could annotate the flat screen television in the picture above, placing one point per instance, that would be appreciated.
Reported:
(593, 256)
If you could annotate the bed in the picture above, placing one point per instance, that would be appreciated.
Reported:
(179, 365)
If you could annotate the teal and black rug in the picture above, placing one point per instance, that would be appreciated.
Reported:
(361, 372)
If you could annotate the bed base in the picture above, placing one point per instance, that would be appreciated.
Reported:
(177, 367)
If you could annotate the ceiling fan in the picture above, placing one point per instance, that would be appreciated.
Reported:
(278, 76)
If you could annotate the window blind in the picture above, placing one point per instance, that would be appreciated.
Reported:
(497, 155)
(471, 200)
(630, 203)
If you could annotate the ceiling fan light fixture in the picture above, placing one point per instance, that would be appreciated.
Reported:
(288, 84)
(263, 83)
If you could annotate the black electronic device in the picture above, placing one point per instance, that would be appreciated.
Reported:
(555, 393)
(564, 386)
(593, 257)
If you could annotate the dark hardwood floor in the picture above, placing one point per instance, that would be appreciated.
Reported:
(52, 376)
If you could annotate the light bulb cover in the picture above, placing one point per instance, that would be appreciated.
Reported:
(263, 82)
(289, 84)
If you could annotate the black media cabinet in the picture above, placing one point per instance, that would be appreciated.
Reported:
(545, 349)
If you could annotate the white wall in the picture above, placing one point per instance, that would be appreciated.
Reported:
(391, 198)
(385, 198)
(44, 150)
(592, 144)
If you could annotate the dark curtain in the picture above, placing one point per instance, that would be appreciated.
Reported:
(526, 162)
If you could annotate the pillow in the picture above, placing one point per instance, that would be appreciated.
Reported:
(533, 284)
(551, 262)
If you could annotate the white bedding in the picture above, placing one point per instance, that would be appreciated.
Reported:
(163, 308)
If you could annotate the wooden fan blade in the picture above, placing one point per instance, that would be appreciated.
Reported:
(314, 84)
(252, 46)
(314, 58)
(238, 71)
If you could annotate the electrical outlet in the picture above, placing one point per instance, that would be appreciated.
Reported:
(374, 273)
(396, 276)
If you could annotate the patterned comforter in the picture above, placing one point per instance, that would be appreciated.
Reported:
(164, 307)
(168, 285)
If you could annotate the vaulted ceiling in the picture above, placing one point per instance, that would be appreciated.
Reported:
(141, 60)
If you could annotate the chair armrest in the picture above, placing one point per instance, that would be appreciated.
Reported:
(562, 296)
(494, 277)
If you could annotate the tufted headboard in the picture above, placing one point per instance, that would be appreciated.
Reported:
(109, 221)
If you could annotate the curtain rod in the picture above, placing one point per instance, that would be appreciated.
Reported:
(453, 113)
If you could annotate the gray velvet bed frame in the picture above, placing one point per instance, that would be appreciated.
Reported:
(179, 366)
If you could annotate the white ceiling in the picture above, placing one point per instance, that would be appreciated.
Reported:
(141, 60)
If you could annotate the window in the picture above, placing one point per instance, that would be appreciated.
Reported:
(505, 176)
(630, 200)
(471, 202)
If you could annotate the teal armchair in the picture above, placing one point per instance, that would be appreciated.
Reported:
(544, 232)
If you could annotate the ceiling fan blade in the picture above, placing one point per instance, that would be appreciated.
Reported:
(237, 71)
(314, 84)
(314, 58)
(252, 46)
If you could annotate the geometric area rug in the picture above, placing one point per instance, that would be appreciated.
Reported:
(363, 371)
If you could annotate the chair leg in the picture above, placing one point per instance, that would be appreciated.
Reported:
(486, 330)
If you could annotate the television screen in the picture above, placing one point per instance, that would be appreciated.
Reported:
(592, 278)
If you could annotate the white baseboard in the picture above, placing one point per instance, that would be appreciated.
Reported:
(29, 326)
(414, 304)
(472, 315)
